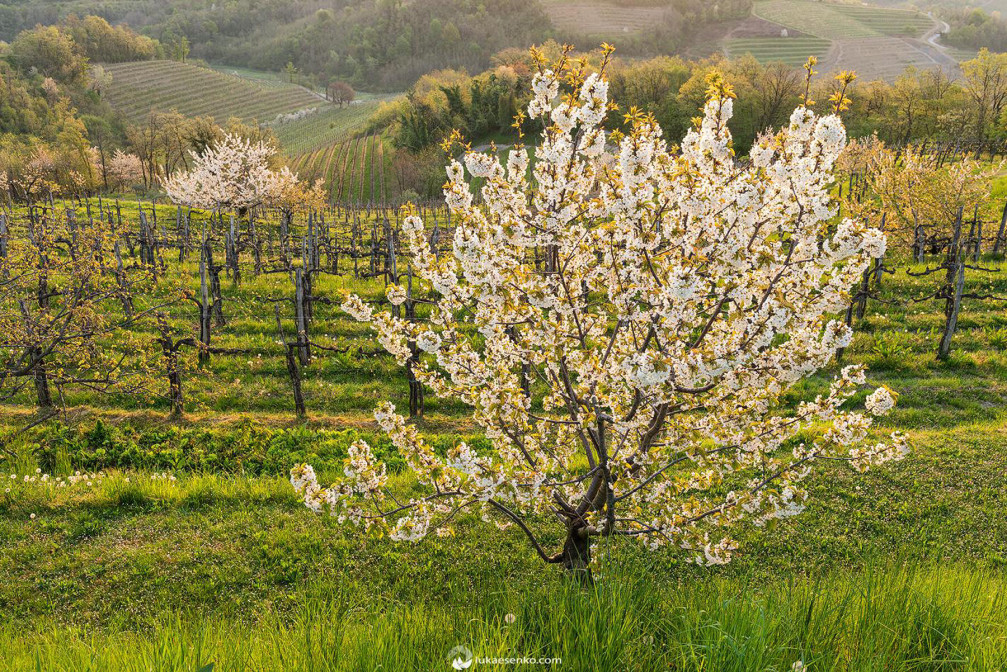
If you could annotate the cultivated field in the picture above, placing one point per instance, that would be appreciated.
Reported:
(356, 170)
(596, 18)
(326, 127)
(792, 51)
(139, 87)
(837, 22)
(876, 42)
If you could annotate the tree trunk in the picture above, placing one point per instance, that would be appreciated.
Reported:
(864, 293)
(42, 392)
(998, 246)
(303, 353)
(204, 314)
(849, 323)
(3, 236)
(918, 243)
(415, 386)
(175, 386)
(978, 246)
(293, 369)
(576, 555)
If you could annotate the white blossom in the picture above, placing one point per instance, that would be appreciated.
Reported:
(880, 402)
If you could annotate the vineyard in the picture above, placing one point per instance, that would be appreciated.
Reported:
(330, 125)
(877, 43)
(238, 361)
(793, 51)
(142, 86)
(600, 19)
(357, 170)
(838, 22)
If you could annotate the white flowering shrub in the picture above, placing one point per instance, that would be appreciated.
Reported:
(658, 305)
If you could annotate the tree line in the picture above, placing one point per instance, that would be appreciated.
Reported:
(918, 105)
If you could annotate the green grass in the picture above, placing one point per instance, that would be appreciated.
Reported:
(896, 568)
(138, 87)
(886, 620)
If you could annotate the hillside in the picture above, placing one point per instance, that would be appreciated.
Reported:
(356, 171)
(597, 18)
(140, 86)
(372, 45)
(328, 126)
(876, 42)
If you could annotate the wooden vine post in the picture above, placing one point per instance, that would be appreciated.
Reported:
(169, 350)
(293, 368)
(953, 288)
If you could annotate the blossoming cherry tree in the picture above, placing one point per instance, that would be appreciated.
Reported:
(235, 173)
(624, 326)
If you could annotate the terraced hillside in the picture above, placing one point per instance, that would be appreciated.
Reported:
(876, 42)
(138, 87)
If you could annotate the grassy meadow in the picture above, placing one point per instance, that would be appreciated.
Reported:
(182, 545)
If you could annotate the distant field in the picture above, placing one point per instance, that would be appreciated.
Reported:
(792, 51)
(876, 42)
(139, 87)
(259, 76)
(905, 23)
(836, 22)
(592, 17)
(877, 58)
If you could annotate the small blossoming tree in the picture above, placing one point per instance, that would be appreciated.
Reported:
(125, 170)
(235, 173)
(624, 326)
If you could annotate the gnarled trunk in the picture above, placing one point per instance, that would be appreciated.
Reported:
(576, 554)
(42, 392)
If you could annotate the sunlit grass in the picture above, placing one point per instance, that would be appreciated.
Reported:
(883, 618)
